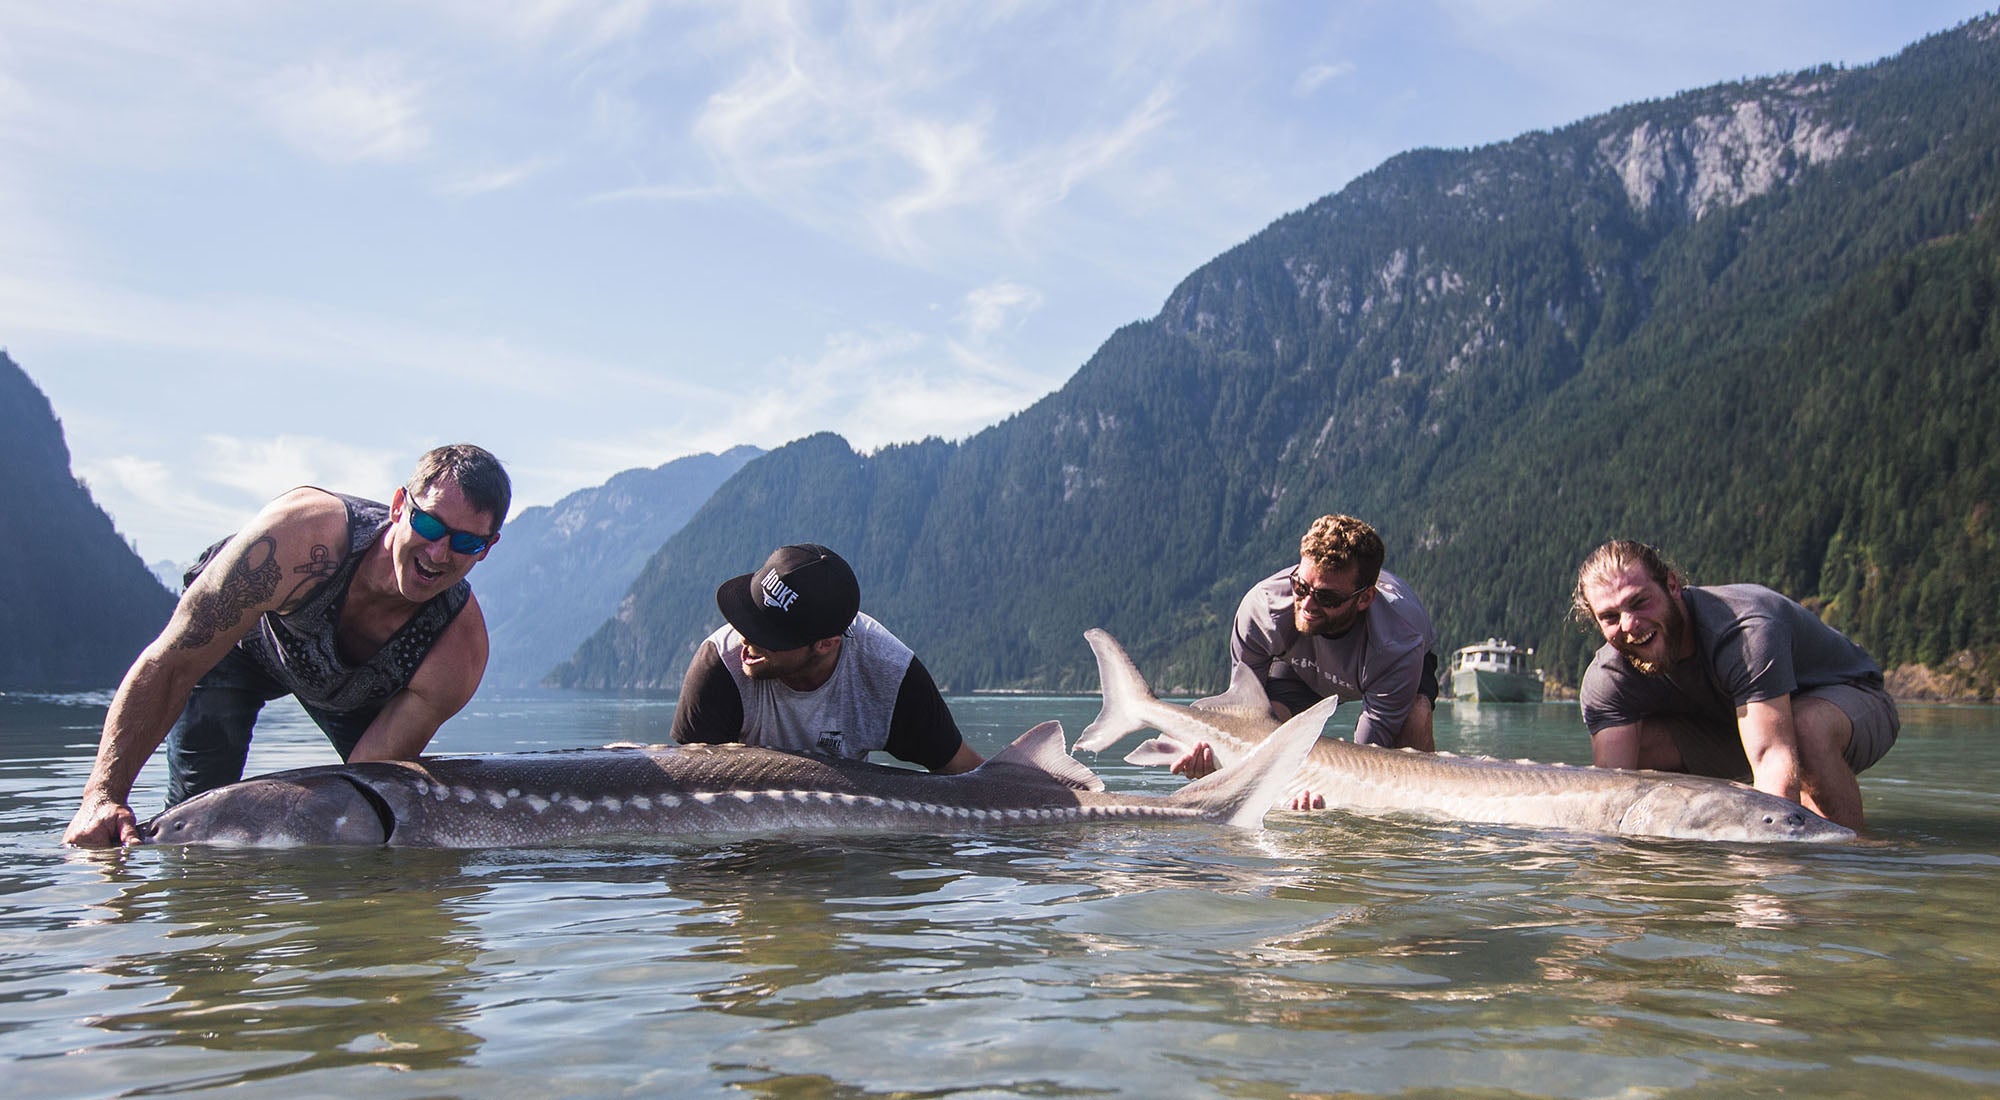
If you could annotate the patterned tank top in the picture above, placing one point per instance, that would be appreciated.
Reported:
(301, 649)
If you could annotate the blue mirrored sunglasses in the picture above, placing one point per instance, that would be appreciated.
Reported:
(430, 528)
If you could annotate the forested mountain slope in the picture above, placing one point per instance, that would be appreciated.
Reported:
(76, 603)
(1751, 323)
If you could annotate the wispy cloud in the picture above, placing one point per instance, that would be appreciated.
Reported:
(659, 193)
(227, 478)
(997, 306)
(244, 341)
(179, 517)
(499, 179)
(350, 109)
(570, 25)
(888, 129)
(876, 388)
(260, 467)
(1314, 77)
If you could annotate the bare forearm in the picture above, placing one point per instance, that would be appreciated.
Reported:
(151, 697)
(1771, 745)
(1776, 771)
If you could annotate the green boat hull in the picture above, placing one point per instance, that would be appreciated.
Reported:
(1485, 686)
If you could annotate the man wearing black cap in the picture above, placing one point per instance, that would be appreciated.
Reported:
(799, 668)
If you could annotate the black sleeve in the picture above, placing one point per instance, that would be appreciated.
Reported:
(710, 709)
(1295, 695)
(922, 731)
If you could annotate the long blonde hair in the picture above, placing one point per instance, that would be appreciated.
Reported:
(1611, 559)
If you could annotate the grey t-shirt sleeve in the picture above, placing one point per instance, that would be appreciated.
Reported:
(1604, 704)
(1252, 640)
(1763, 644)
(1386, 700)
(1753, 660)
(1258, 641)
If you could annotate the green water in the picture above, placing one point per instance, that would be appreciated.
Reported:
(1325, 955)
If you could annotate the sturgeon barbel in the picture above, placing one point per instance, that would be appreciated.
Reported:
(1374, 781)
(692, 791)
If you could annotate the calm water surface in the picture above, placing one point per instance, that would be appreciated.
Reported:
(1326, 955)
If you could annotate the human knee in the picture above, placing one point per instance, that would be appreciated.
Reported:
(1864, 717)
(1823, 730)
(210, 742)
(1660, 741)
(1419, 728)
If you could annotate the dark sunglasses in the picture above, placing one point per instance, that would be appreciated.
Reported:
(430, 528)
(1327, 598)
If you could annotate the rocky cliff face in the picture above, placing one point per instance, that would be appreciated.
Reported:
(76, 603)
(1725, 158)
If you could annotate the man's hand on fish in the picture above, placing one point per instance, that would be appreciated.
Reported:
(1198, 762)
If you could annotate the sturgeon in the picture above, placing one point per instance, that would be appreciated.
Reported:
(691, 791)
(1375, 781)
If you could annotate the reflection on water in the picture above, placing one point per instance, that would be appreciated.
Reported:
(319, 961)
(1326, 955)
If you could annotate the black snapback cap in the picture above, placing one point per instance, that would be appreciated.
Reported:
(802, 593)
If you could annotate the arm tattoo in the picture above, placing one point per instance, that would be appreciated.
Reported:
(251, 581)
(318, 569)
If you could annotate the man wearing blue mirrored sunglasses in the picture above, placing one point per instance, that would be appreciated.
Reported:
(360, 610)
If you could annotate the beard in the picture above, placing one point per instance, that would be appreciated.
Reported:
(1333, 626)
(1673, 628)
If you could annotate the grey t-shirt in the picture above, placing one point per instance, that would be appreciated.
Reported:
(1379, 661)
(1751, 645)
(848, 716)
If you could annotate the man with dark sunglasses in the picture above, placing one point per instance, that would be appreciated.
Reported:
(359, 610)
(1338, 624)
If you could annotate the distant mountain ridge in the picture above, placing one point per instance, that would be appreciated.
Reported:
(558, 572)
(1652, 323)
(76, 602)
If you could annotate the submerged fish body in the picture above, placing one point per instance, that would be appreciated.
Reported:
(1368, 780)
(527, 799)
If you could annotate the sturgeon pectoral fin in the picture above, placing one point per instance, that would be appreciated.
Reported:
(1156, 752)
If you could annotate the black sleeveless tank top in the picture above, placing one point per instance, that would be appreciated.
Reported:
(301, 651)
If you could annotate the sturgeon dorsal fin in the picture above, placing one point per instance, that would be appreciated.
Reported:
(1042, 749)
(1246, 695)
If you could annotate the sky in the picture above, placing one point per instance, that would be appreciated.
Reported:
(248, 245)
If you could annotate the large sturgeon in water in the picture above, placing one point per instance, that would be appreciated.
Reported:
(1374, 781)
(691, 791)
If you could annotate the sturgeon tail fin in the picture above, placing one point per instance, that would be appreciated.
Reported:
(1241, 794)
(1126, 696)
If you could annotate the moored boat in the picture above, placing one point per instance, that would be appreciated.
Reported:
(1495, 671)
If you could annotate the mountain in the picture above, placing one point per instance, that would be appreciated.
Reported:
(76, 603)
(170, 574)
(1753, 324)
(559, 571)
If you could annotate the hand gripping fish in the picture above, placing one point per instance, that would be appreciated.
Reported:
(1374, 781)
